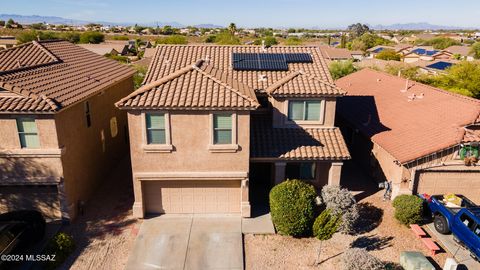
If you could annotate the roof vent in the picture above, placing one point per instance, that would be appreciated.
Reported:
(420, 96)
(406, 87)
(207, 59)
(379, 80)
(262, 78)
(412, 97)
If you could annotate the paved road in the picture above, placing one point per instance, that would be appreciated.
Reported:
(188, 242)
(462, 256)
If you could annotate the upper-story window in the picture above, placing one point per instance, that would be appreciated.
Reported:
(304, 110)
(222, 128)
(156, 131)
(27, 132)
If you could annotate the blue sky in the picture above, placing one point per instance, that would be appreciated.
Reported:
(247, 13)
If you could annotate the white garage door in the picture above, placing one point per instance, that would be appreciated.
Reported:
(464, 183)
(192, 196)
(42, 198)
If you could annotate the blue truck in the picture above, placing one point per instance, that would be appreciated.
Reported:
(462, 221)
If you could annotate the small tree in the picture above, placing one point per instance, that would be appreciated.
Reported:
(325, 225)
(341, 69)
(91, 37)
(388, 55)
(232, 28)
(360, 259)
(269, 41)
(226, 38)
(342, 203)
(476, 50)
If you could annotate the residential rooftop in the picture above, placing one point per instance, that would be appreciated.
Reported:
(408, 119)
(47, 76)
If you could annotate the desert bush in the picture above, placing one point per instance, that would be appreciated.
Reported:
(408, 209)
(292, 206)
(61, 245)
(341, 202)
(325, 225)
(175, 39)
(360, 259)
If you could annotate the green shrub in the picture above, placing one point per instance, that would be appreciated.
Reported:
(293, 41)
(175, 39)
(91, 37)
(61, 245)
(269, 41)
(408, 209)
(325, 225)
(292, 206)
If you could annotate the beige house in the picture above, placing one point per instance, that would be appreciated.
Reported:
(60, 132)
(215, 127)
(422, 139)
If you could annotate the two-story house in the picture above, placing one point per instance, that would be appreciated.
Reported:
(215, 126)
(60, 132)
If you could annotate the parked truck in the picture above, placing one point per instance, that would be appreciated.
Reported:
(462, 220)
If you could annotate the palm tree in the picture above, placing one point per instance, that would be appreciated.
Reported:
(232, 28)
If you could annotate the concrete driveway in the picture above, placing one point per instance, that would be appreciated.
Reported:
(462, 256)
(188, 242)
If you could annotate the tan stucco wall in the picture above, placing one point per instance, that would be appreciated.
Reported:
(190, 137)
(280, 112)
(29, 165)
(190, 134)
(87, 159)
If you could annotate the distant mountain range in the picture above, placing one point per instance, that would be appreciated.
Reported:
(59, 20)
(417, 26)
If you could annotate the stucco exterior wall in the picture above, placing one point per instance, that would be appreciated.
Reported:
(24, 166)
(280, 113)
(89, 153)
(190, 138)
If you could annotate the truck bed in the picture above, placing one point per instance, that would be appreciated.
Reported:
(466, 203)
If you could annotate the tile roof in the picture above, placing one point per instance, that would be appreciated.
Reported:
(198, 85)
(170, 58)
(105, 48)
(462, 50)
(56, 73)
(472, 134)
(296, 143)
(408, 125)
(337, 53)
(300, 84)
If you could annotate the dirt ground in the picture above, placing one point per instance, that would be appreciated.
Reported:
(381, 235)
(105, 234)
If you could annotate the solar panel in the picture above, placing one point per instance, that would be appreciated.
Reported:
(268, 61)
(440, 65)
(377, 50)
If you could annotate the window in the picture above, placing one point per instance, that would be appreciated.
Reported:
(222, 129)
(304, 171)
(87, 114)
(304, 110)
(27, 132)
(156, 133)
(477, 230)
(468, 221)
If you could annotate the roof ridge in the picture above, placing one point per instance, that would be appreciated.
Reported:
(50, 102)
(474, 100)
(274, 86)
(150, 86)
(211, 76)
(45, 50)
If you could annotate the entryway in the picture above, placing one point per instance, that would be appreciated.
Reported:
(261, 182)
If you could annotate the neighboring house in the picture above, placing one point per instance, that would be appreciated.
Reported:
(421, 53)
(398, 39)
(411, 134)
(434, 67)
(107, 48)
(463, 52)
(424, 36)
(338, 54)
(379, 64)
(372, 52)
(7, 42)
(60, 132)
(213, 128)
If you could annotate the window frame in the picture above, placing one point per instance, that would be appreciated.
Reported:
(153, 147)
(19, 133)
(320, 120)
(233, 145)
(298, 166)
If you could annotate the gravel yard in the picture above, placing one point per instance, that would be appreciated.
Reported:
(381, 235)
(105, 234)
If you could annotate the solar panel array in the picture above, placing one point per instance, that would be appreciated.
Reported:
(421, 51)
(268, 61)
(440, 65)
